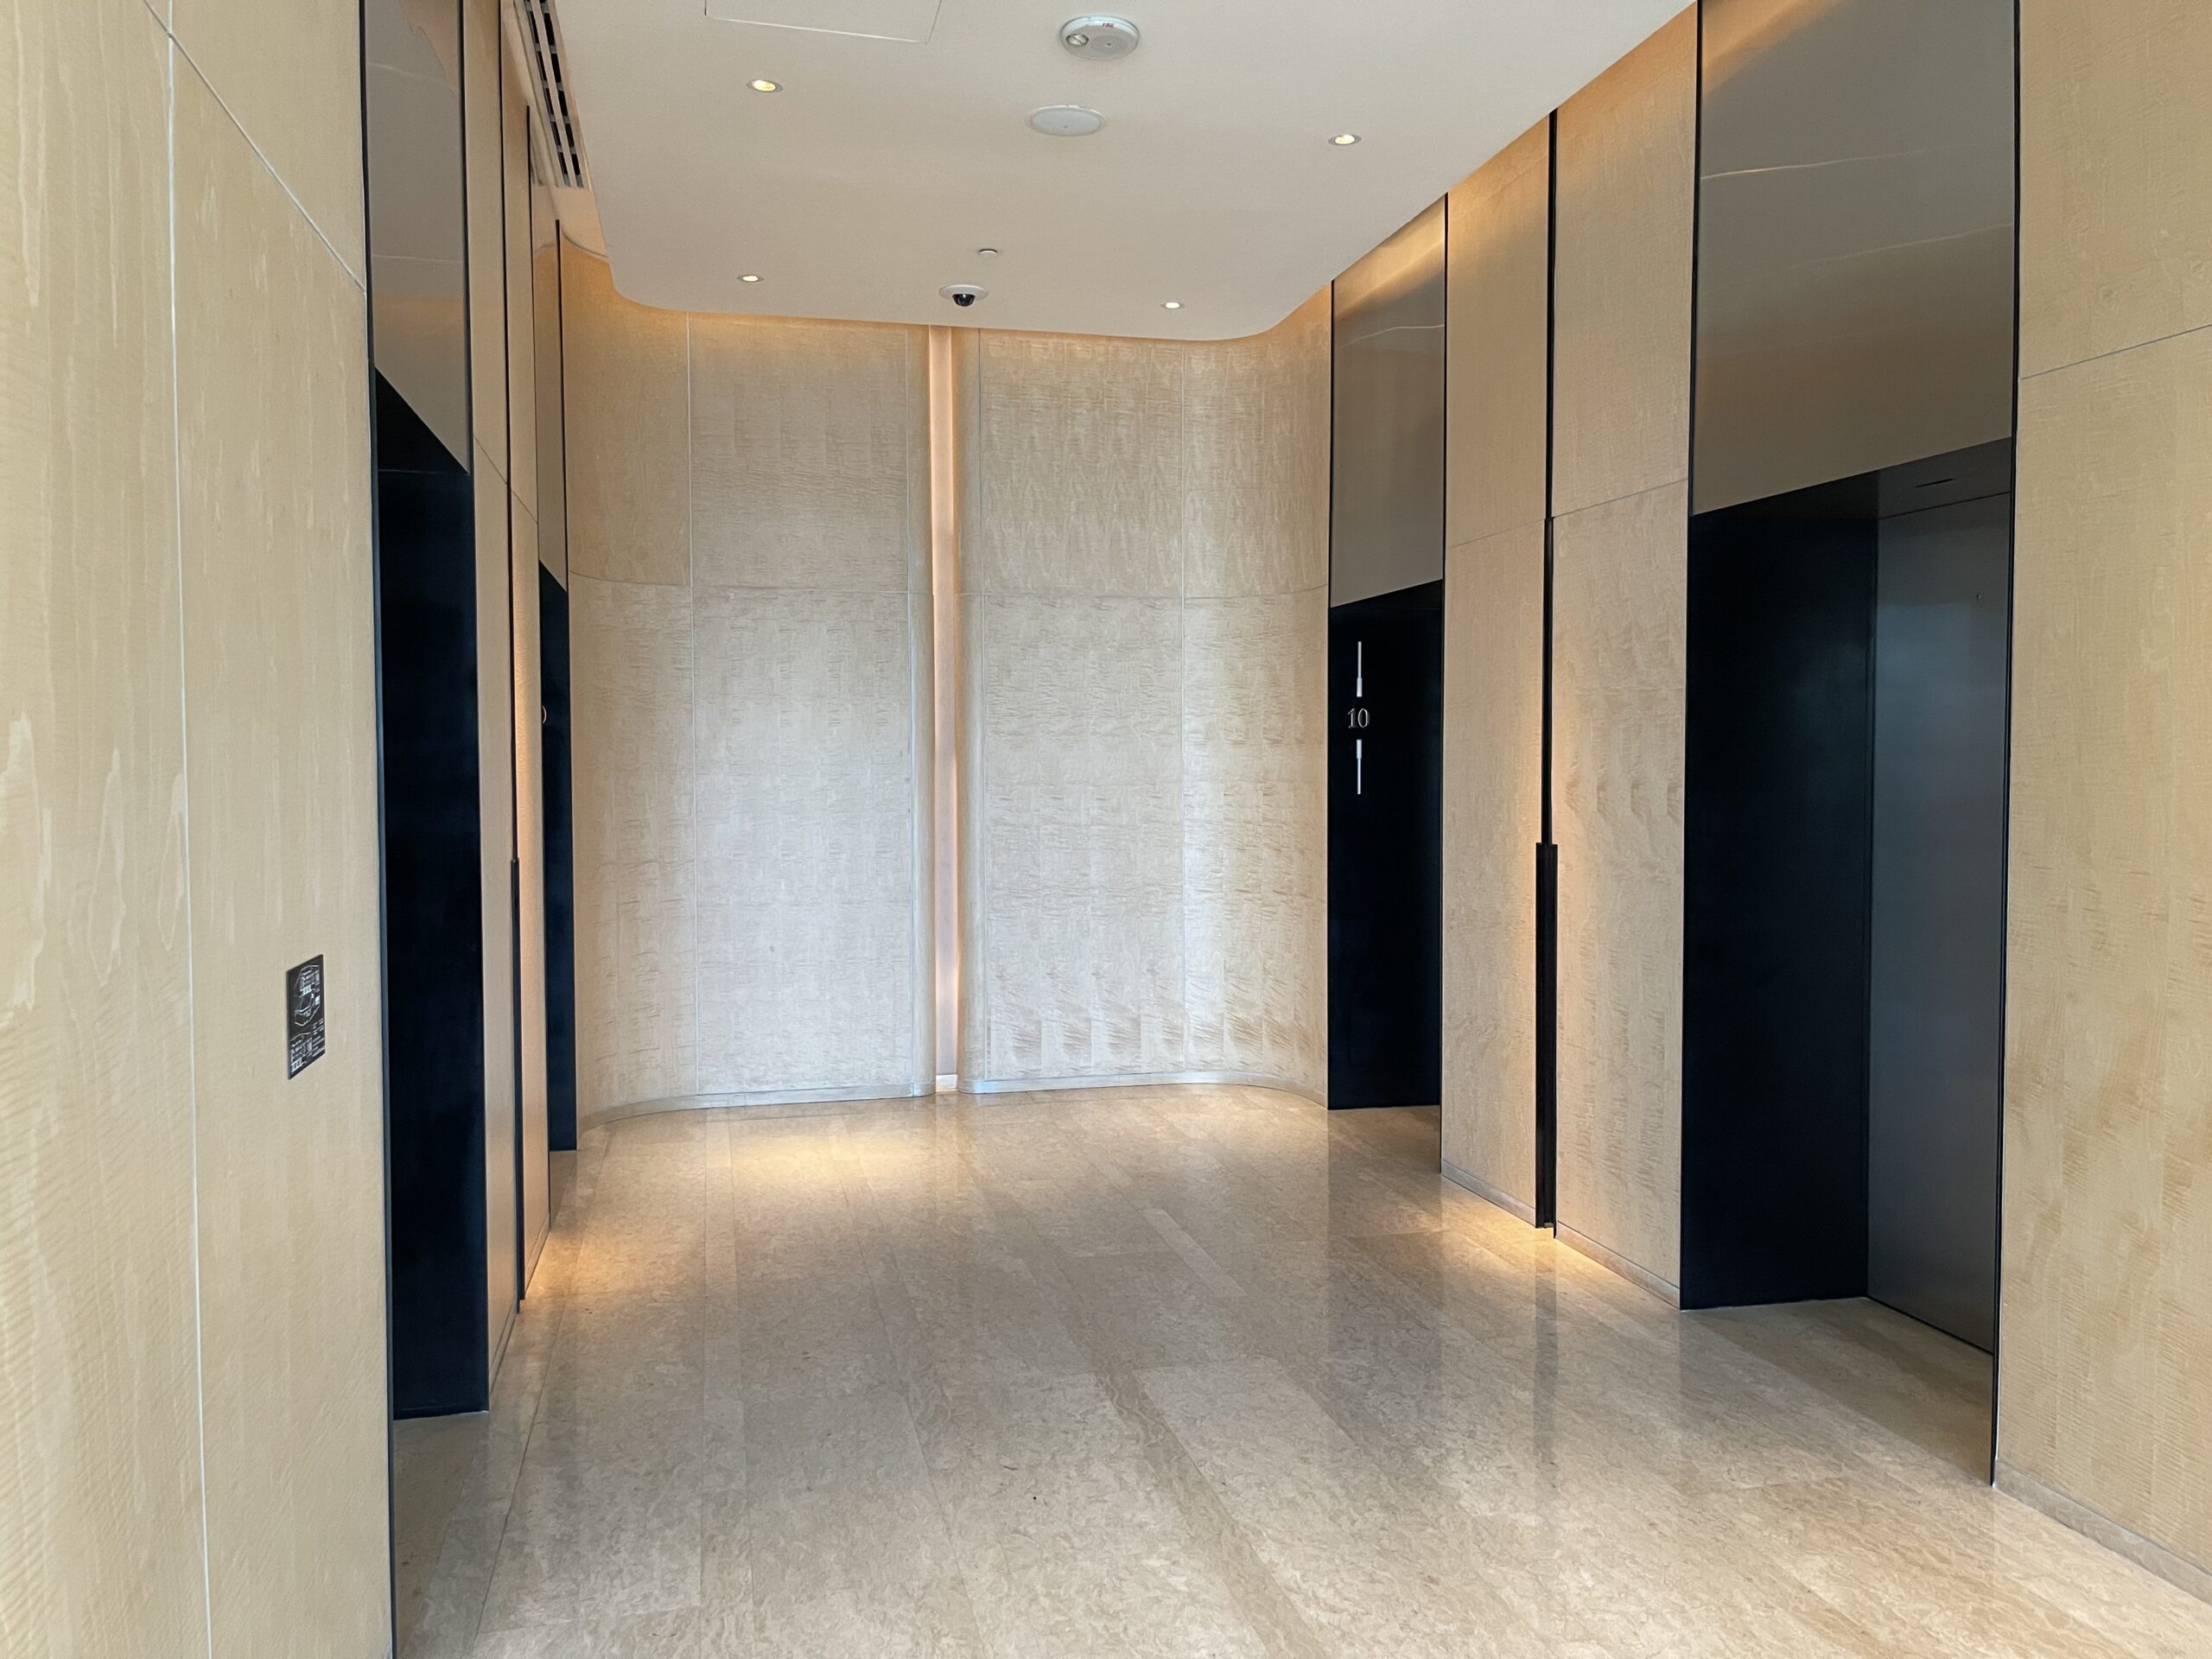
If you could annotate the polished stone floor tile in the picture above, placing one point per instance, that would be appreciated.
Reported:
(718, 1633)
(980, 1315)
(1070, 1542)
(1155, 1309)
(1336, 1532)
(845, 1544)
(1188, 1372)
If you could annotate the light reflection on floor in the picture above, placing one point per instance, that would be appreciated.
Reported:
(1191, 1372)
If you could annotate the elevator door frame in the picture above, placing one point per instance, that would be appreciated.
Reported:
(1723, 1156)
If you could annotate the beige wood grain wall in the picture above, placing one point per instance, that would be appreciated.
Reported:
(749, 567)
(1144, 569)
(1626, 212)
(2108, 1250)
(526, 508)
(550, 474)
(494, 412)
(186, 810)
(1497, 404)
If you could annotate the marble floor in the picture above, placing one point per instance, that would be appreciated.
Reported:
(1192, 1372)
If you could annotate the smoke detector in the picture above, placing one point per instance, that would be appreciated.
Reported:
(1066, 121)
(1103, 40)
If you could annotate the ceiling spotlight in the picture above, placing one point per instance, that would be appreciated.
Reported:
(1100, 38)
(1066, 121)
(986, 253)
(767, 86)
(1170, 305)
(749, 277)
(1344, 138)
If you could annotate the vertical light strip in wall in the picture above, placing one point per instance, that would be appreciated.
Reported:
(944, 659)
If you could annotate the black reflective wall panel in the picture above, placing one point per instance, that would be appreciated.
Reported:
(434, 898)
(1386, 457)
(418, 223)
(1386, 849)
(1386, 674)
(1855, 243)
(1937, 1035)
(1778, 782)
(559, 868)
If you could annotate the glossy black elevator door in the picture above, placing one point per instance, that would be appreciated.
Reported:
(560, 867)
(1386, 854)
(1777, 776)
(433, 915)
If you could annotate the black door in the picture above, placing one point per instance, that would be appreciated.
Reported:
(1386, 856)
(559, 868)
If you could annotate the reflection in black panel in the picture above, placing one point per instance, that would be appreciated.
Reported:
(1937, 1038)
(418, 227)
(1386, 502)
(1855, 245)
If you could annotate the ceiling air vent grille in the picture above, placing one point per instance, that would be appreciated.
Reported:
(541, 43)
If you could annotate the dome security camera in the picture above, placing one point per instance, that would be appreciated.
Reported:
(964, 294)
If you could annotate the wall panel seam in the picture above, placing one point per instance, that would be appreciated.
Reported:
(1522, 528)
(1183, 712)
(184, 788)
(2017, 392)
(974, 764)
(986, 1026)
(268, 167)
(690, 586)
(1614, 501)
(921, 741)
(2117, 351)
(870, 592)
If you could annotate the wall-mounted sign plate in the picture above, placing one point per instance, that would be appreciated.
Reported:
(875, 19)
(303, 1016)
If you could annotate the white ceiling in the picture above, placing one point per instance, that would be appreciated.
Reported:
(869, 183)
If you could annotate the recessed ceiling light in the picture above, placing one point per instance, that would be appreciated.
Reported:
(749, 277)
(767, 86)
(1170, 305)
(986, 253)
(1344, 139)
(1066, 121)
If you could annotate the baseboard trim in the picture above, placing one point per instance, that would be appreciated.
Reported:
(1643, 1278)
(1496, 1196)
(1141, 1080)
(2153, 1558)
(754, 1097)
(757, 1098)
